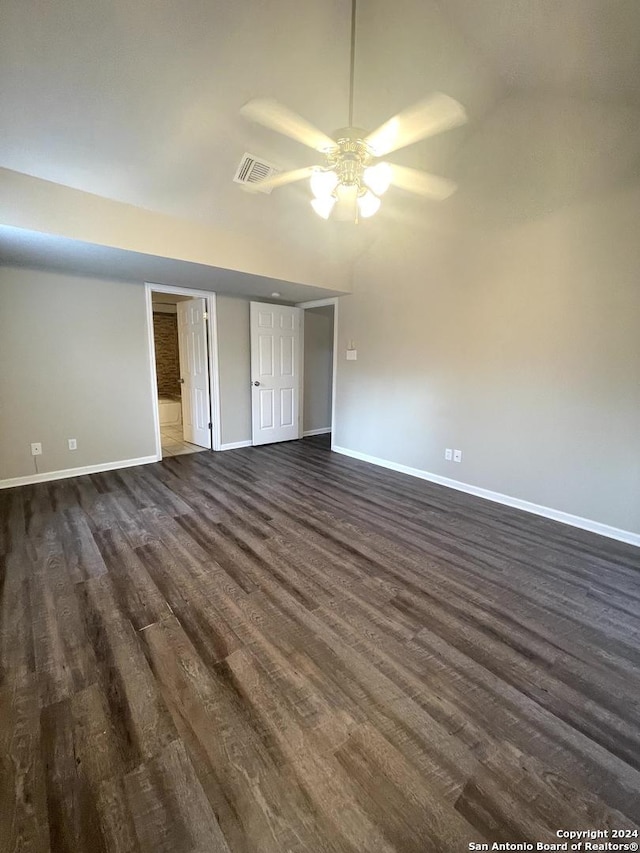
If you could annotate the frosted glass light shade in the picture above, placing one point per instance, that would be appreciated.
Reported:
(323, 206)
(323, 184)
(346, 208)
(368, 204)
(378, 177)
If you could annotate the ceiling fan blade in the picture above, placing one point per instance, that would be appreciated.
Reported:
(275, 116)
(426, 118)
(422, 183)
(283, 178)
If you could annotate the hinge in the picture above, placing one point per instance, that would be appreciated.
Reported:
(210, 425)
(206, 315)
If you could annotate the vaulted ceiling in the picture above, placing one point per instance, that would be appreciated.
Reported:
(585, 48)
(139, 102)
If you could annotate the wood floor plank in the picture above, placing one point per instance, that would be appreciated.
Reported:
(24, 822)
(142, 722)
(313, 767)
(496, 710)
(279, 649)
(170, 809)
(71, 806)
(239, 746)
(82, 554)
(116, 820)
(64, 658)
(188, 596)
(416, 816)
(138, 596)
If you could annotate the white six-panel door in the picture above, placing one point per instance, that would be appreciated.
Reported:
(275, 372)
(194, 371)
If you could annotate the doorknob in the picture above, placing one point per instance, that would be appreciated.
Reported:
(256, 383)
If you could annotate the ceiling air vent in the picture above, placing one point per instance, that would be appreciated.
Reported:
(252, 170)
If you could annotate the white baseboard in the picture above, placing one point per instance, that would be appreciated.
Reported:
(47, 476)
(322, 431)
(234, 445)
(547, 512)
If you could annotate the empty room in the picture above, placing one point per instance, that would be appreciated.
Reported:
(319, 426)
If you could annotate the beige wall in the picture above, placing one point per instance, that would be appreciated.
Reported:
(75, 364)
(234, 353)
(520, 346)
(318, 367)
(30, 203)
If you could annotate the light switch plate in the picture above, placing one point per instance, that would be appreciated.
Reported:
(352, 354)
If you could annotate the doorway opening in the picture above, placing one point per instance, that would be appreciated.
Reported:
(184, 375)
(319, 367)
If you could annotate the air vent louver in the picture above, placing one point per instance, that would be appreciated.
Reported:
(252, 170)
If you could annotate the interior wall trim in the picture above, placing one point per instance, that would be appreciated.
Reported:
(321, 431)
(234, 445)
(536, 509)
(47, 476)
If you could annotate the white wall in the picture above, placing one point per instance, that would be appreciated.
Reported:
(519, 345)
(318, 367)
(75, 364)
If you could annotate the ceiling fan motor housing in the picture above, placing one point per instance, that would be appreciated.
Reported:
(351, 157)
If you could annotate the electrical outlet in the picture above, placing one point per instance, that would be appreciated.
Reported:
(448, 454)
(457, 456)
(36, 448)
(73, 444)
(352, 355)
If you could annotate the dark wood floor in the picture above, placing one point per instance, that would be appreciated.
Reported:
(280, 649)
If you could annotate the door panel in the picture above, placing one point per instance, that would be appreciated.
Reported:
(194, 371)
(287, 356)
(275, 366)
(286, 407)
(266, 355)
(266, 408)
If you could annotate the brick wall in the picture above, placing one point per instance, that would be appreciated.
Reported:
(165, 334)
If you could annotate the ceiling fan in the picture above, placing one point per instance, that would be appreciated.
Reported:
(350, 181)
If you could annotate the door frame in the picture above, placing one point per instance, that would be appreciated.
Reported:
(212, 357)
(320, 303)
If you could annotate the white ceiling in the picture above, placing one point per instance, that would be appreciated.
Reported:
(139, 101)
(588, 48)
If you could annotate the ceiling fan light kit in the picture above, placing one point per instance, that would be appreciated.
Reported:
(348, 180)
(323, 183)
(349, 184)
(323, 206)
(378, 178)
